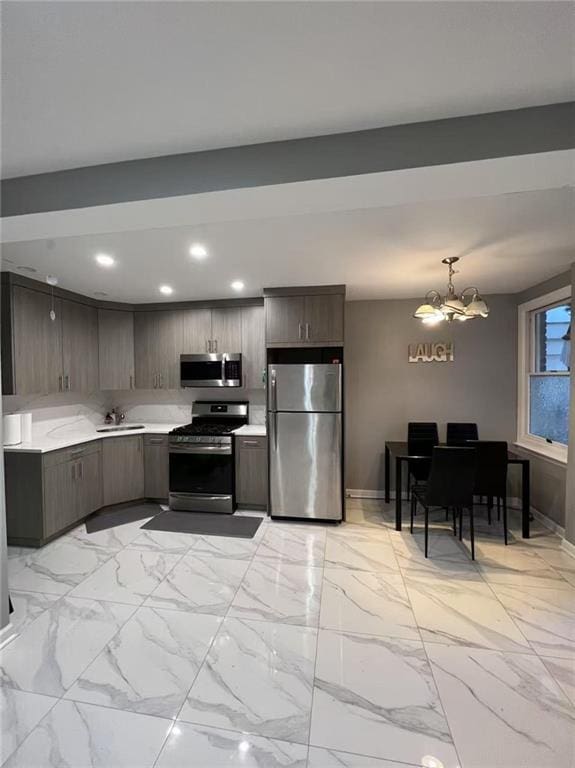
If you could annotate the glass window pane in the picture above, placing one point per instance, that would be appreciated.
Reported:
(553, 338)
(549, 407)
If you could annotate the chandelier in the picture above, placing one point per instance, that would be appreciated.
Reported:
(465, 306)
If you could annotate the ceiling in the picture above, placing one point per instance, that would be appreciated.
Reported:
(506, 243)
(88, 83)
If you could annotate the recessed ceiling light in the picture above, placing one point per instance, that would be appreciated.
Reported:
(237, 285)
(198, 251)
(105, 260)
(52, 280)
(166, 290)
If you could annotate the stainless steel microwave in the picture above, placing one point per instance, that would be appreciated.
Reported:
(211, 370)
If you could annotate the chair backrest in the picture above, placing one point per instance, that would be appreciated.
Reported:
(452, 477)
(423, 430)
(491, 472)
(459, 432)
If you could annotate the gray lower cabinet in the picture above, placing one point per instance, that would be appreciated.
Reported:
(252, 472)
(48, 493)
(122, 469)
(156, 467)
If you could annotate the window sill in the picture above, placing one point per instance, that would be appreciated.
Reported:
(550, 452)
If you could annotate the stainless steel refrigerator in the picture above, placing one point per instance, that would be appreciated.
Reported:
(305, 440)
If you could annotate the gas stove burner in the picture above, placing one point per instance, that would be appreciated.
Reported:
(213, 428)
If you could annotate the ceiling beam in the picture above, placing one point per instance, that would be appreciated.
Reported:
(414, 145)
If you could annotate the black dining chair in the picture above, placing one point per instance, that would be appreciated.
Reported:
(491, 476)
(422, 437)
(459, 432)
(450, 485)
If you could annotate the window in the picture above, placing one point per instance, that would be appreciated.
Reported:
(544, 373)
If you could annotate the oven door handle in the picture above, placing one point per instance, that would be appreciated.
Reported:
(221, 450)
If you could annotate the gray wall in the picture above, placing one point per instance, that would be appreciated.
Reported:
(384, 391)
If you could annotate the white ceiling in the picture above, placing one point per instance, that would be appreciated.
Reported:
(87, 83)
(506, 244)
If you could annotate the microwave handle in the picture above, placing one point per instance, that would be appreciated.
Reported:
(224, 370)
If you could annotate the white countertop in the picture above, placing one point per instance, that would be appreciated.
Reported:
(255, 430)
(66, 438)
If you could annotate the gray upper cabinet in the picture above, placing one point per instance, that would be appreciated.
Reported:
(80, 347)
(116, 349)
(253, 347)
(324, 318)
(123, 469)
(310, 319)
(158, 345)
(197, 331)
(226, 330)
(35, 346)
(284, 319)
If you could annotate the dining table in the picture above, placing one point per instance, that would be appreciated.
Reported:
(398, 451)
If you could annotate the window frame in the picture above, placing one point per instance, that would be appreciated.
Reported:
(526, 368)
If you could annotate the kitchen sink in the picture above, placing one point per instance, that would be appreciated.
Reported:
(120, 428)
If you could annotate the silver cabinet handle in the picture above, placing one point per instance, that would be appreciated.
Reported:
(307, 331)
(73, 471)
(250, 442)
(299, 330)
(131, 381)
(208, 345)
(215, 345)
(60, 381)
(161, 380)
(67, 382)
(155, 381)
(155, 441)
(81, 468)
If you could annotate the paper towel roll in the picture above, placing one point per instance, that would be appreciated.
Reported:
(26, 427)
(11, 426)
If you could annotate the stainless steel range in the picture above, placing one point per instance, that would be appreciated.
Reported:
(202, 457)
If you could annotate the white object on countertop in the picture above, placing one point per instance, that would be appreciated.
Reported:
(26, 427)
(12, 429)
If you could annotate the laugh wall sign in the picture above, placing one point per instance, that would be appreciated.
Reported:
(431, 352)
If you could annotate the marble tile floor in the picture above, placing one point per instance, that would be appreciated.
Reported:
(310, 646)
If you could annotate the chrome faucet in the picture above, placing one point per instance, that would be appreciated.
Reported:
(118, 416)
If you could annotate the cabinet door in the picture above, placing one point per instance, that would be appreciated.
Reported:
(146, 346)
(170, 348)
(284, 319)
(116, 348)
(37, 343)
(253, 347)
(89, 484)
(197, 331)
(80, 347)
(324, 318)
(251, 471)
(60, 499)
(122, 469)
(227, 330)
(156, 467)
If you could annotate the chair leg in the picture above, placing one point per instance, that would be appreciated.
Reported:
(471, 532)
(498, 508)
(426, 528)
(489, 503)
(505, 519)
(460, 523)
(454, 521)
(413, 503)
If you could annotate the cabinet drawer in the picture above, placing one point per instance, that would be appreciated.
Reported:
(252, 442)
(156, 440)
(54, 458)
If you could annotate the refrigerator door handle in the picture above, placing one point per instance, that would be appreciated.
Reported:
(273, 383)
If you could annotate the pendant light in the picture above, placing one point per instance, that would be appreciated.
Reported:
(451, 306)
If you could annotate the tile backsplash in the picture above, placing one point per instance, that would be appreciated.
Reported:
(69, 411)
